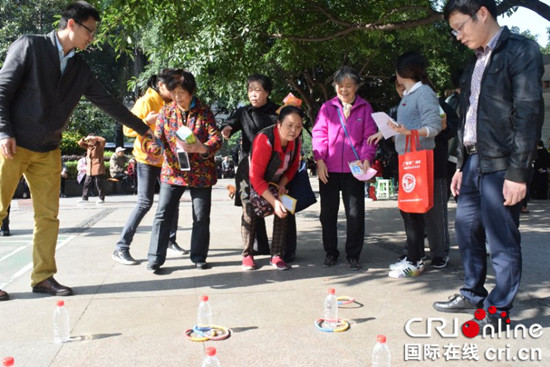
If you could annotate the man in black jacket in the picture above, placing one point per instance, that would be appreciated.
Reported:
(41, 82)
(502, 111)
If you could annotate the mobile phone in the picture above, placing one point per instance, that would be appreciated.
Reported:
(183, 160)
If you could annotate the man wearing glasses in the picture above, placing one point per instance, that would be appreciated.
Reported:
(41, 82)
(502, 109)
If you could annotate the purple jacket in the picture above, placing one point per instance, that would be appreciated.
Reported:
(331, 144)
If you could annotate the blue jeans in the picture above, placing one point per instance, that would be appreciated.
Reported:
(481, 216)
(170, 195)
(147, 178)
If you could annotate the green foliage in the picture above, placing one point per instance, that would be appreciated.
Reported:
(299, 43)
(72, 171)
(69, 144)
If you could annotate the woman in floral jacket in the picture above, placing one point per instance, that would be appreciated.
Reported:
(199, 177)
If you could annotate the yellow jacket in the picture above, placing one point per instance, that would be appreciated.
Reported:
(146, 148)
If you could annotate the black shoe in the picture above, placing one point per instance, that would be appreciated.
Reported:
(4, 296)
(52, 287)
(173, 246)
(439, 262)
(6, 232)
(354, 264)
(289, 257)
(153, 267)
(330, 260)
(202, 265)
(124, 257)
(458, 303)
(492, 323)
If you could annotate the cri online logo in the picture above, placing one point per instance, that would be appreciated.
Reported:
(470, 328)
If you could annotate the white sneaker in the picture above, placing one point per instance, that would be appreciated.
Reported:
(406, 270)
(398, 264)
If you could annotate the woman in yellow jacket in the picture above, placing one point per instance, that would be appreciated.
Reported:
(148, 154)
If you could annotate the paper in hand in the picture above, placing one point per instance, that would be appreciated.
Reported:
(381, 119)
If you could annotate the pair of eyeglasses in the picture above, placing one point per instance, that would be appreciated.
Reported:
(458, 30)
(91, 31)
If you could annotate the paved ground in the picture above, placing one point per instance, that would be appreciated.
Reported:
(127, 316)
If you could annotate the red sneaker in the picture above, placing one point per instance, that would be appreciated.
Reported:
(278, 263)
(248, 263)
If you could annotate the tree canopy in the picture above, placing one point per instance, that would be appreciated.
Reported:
(299, 43)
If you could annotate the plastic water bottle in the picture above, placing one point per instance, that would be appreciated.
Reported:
(204, 315)
(331, 310)
(211, 360)
(381, 353)
(61, 323)
(8, 362)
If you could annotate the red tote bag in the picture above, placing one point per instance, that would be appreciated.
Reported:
(416, 177)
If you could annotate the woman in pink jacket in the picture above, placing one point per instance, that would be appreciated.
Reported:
(340, 135)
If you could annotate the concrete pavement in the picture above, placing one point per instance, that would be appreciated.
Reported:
(128, 316)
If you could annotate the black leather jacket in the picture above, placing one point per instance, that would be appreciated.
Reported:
(510, 110)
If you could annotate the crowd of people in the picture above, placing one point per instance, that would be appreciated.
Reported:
(497, 129)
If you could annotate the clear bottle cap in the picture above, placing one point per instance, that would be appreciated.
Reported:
(204, 298)
(210, 351)
(61, 303)
(331, 291)
(381, 339)
(8, 361)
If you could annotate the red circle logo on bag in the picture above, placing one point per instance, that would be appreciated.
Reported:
(408, 182)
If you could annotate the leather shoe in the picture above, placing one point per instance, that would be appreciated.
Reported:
(173, 246)
(52, 287)
(495, 328)
(4, 296)
(458, 303)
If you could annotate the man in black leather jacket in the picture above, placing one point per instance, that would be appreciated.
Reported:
(502, 114)
(41, 82)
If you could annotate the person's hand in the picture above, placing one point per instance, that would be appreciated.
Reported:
(63, 174)
(456, 182)
(7, 147)
(281, 189)
(513, 192)
(151, 117)
(374, 138)
(322, 171)
(366, 165)
(196, 147)
(279, 209)
(226, 132)
(400, 129)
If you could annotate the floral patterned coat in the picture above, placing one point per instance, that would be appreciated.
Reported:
(201, 121)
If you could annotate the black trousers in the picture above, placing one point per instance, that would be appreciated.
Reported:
(354, 205)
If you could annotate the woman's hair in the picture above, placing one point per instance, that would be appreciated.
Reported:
(79, 11)
(289, 110)
(469, 7)
(412, 65)
(180, 78)
(266, 83)
(346, 72)
(162, 76)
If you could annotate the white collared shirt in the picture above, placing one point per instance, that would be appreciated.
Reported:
(62, 57)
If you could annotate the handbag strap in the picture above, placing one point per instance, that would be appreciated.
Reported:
(346, 132)
(414, 141)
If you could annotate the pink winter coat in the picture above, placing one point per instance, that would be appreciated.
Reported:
(331, 144)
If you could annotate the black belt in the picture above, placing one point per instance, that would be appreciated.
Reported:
(471, 149)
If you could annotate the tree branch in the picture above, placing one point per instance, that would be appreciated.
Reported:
(537, 6)
(434, 16)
